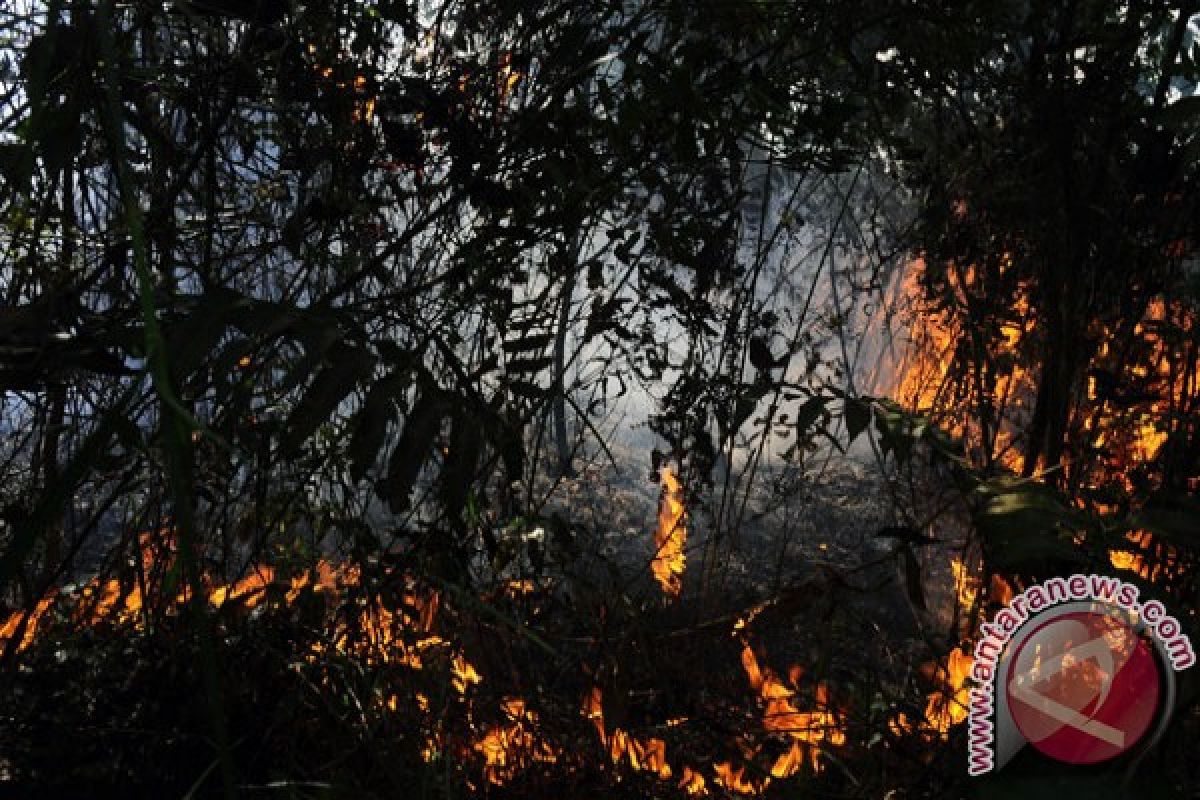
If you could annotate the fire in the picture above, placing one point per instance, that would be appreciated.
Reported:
(114, 601)
(1129, 428)
(735, 780)
(11, 625)
(965, 588)
(99, 601)
(649, 755)
(358, 87)
(670, 536)
(507, 78)
(1001, 591)
(973, 374)
(931, 379)
(1147, 559)
(249, 591)
(1139, 390)
(405, 636)
(693, 783)
(981, 389)
(464, 674)
(809, 731)
(513, 745)
(947, 706)
(1123, 559)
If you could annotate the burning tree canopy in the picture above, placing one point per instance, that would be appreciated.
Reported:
(628, 398)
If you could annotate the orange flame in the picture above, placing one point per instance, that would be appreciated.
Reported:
(734, 779)
(693, 783)
(1146, 558)
(927, 380)
(1001, 591)
(809, 731)
(965, 588)
(670, 536)
(407, 636)
(945, 707)
(513, 745)
(948, 707)
(1138, 386)
(403, 637)
(648, 755)
(10, 626)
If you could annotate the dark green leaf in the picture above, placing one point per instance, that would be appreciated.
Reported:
(858, 417)
(347, 368)
(808, 413)
(1173, 517)
(462, 460)
(1024, 523)
(416, 441)
(912, 578)
(16, 166)
(369, 426)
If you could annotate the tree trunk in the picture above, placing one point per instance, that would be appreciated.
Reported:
(559, 402)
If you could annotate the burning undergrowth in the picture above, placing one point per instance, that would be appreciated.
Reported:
(1057, 468)
(358, 679)
(361, 677)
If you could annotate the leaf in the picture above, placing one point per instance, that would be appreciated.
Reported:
(1175, 518)
(293, 231)
(57, 133)
(49, 56)
(348, 367)
(858, 416)
(370, 423)
(1025, 523)
(530, 341)
(742, 410)
(16, 166)
(912, 578)
(527, 366)
(462, 460)
(527, 389)
(509, 437)
(191, 340)
(808, 413)
(412, 450)
(1182, 114)
(266, 320)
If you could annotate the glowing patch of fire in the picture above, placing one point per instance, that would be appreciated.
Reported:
(670, 536)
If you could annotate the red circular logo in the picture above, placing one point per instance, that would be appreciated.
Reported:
(1083, 687)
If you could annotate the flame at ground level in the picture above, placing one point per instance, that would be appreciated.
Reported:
(947, 705)
(809, 732)
(406, 636)
(649, 755)
(513, 745)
